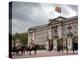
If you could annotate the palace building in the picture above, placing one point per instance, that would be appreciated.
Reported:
(59, 33)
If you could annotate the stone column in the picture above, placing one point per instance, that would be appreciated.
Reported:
(60, 31)
(69, 43)
(55, 45)
(33, 37)
(49, 37)
(54, 39)
(29, 38)
(50, 33)
(69, 38)
(47, 45)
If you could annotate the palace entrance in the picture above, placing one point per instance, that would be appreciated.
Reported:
(59, 45)
(50, 45)
(75, 43)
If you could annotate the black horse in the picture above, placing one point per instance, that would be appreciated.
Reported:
(32, 48)
(16, 50)
(21, 50)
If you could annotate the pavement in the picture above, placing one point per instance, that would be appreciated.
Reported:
(44, 53)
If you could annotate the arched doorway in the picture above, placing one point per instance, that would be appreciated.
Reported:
(50, 45)
(60, 44)
(75, 43)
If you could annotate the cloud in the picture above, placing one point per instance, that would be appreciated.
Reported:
(27, 14)
(69, 11)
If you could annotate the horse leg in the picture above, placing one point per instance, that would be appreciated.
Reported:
(24, 51)
(30, 52)
(27, 51)
(21, 53)
(16, 53)
(35, 52)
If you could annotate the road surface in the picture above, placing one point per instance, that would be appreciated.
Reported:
(43, 53)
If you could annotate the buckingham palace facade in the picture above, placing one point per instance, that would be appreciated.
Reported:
(59, 33)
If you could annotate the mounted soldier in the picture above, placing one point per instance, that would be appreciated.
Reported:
(33, 47)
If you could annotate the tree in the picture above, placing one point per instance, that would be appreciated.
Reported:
(23, 37)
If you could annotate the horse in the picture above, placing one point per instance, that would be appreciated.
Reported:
(16, 50)
(32, 48)
(22, 49)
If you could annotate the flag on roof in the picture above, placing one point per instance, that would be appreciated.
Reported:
(58, 9)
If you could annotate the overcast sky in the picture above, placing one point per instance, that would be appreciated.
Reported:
(27, 14)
